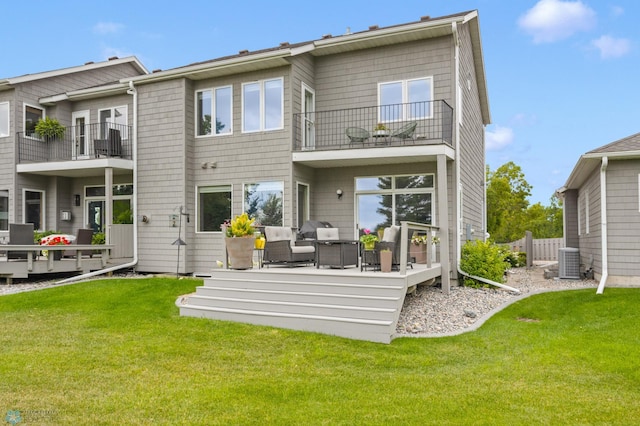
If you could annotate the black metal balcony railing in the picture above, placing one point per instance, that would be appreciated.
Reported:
(78, 143)
(325, 130)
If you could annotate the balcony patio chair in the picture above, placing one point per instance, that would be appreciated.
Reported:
(83, 236)
(390, 241)
(333, 252)
(281, 248)
(20, 234)
(406, 132)
(110, 147)
(357, 134)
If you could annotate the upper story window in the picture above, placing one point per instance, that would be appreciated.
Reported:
(214, 103)
(31, 117)
(405, 100)
(4, 119)
(4, 210)
(116, 118)
(263, 105)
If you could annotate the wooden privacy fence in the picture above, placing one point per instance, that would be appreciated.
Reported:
(543, 248)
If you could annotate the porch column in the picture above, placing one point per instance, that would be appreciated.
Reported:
(108, 203)
(443, 222)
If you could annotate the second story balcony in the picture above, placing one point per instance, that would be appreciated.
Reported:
(417, 123)
(97, 140)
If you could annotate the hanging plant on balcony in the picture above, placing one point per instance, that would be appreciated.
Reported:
(49, 129)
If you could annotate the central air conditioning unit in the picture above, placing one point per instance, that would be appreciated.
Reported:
(569, 263)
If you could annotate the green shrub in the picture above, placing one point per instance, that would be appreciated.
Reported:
(98, 238)
(483, 259)
(522, 259)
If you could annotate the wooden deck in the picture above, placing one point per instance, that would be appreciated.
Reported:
(37, 264)
(343, 302)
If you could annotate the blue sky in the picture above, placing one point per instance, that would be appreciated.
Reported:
(561, 73)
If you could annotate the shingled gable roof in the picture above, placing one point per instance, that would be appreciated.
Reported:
(278, 56)
(623, 149)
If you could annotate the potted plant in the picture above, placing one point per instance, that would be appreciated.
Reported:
(49, 129)
(54, 240)
(381, 130)
(385, 260)
(240, 241)
(418, 249)
(368, 239)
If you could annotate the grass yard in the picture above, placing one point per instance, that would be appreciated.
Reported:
(117, 352)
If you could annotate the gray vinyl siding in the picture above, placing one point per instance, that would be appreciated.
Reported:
(471, 142)
(7, 155)
(590, 230)
(351, 80)
(570, 218)
(623, 218)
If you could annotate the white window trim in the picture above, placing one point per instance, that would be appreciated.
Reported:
(307, 201)
(405, 98)
(579, 215)
(213, 111)
(4, 135)
(586, 212)
(24, 116)
(43, 207)
(230, 186)
(261, 84)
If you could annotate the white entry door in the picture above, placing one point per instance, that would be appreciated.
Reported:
(80, 120)
(308, 117)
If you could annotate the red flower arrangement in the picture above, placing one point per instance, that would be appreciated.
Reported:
(53, 240)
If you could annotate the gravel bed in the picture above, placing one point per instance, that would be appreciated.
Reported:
(428, 312)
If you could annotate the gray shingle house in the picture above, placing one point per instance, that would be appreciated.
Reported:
(601, 202)
(270, 132)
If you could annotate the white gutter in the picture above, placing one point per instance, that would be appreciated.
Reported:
(131, 91)
(603, 214)
(456, 85)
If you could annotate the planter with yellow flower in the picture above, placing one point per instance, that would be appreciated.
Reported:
(240, 242)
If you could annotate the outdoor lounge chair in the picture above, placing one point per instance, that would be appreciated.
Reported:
(333, 252)
(281, 248)
(110, 147)
(20, 234)
(391, 241)
(406, 132)
(357, 134)
(83, 236)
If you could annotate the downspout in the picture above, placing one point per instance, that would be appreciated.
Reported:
(134, 147)
(603, 229)
(456, 85)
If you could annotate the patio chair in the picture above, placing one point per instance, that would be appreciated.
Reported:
(357, 134)
(110, 147)
(20, 234)
(333, 252)
(406, 132)
(281, 248)
(83, 236)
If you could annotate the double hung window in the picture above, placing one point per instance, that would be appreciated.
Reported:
(212, 103)
(31, 117)
(405, 100)
(263, 105)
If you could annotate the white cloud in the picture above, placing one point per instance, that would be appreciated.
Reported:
(499, 138)
(552, 20)
(617, 11)
(611, 47)
(110, 52)
(107, 28)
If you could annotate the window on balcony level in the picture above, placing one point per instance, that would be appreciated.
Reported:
(405, 100)
(214, 103)
(114, 118)
(4, 119)
(263, 105)
(31, 116)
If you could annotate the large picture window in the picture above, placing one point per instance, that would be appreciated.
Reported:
(214, 103)
(4, 210)
(263, 201)
(214, 207)
(31, 117)
(4, 119)
(405, 100)
(387, 200)
(263, 105)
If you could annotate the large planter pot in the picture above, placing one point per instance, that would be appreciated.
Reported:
(385, 260)
(240, 251)
(419, 253)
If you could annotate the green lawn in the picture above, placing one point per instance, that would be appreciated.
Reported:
(117, 352)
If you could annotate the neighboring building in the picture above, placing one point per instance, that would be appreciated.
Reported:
(601, 202)
(278, 146)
